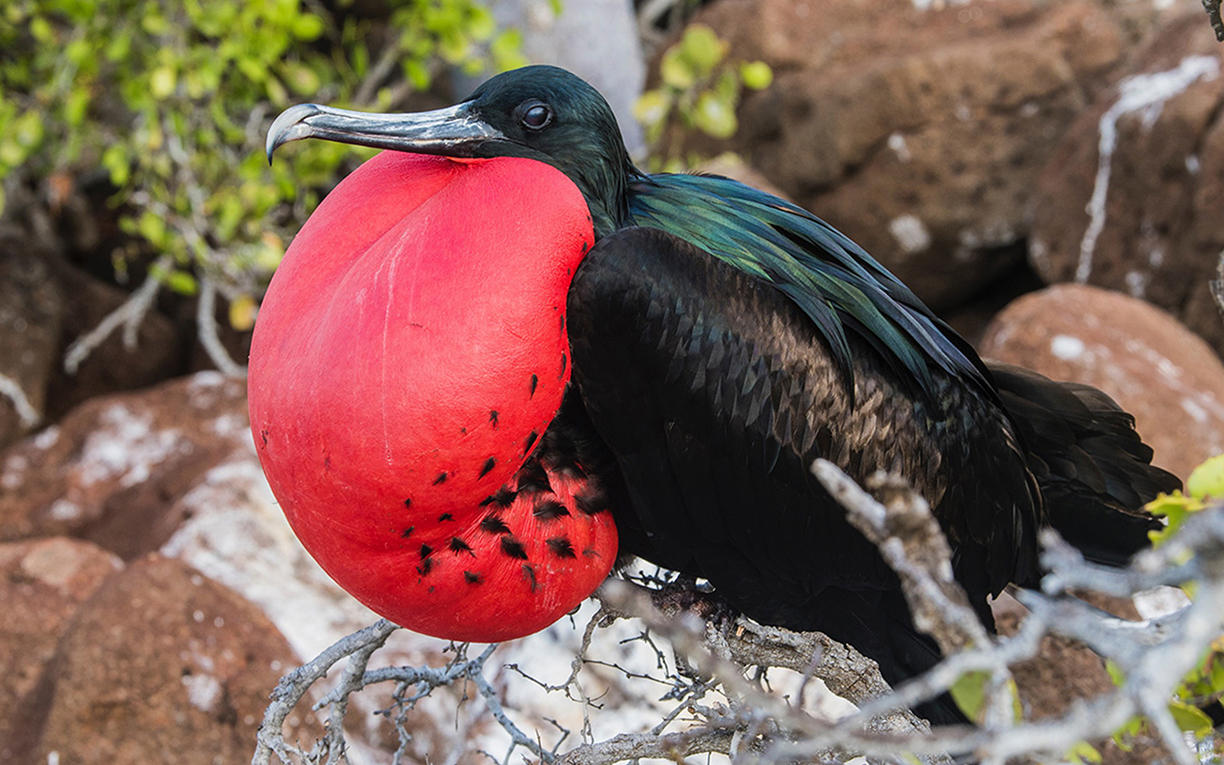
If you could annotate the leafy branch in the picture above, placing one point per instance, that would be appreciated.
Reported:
(171, 100)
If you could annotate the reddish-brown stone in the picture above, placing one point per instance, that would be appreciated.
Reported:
(1168, 378)
(42, 583)
(1064, 672)
(1162, 230)
(918, 133)
(111, 470)
(162, 665)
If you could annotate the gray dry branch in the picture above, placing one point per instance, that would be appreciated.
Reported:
(722, 706)
(1213, 14)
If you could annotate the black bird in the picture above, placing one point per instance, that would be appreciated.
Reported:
(723, 339)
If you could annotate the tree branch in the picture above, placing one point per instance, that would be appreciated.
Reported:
(749, 723)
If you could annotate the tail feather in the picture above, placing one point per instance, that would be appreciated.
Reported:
(1094, 471)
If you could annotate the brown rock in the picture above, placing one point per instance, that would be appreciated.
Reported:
(42, 583)
(1156, 369)
(918, 133)
(161, 665)
(111, 471)
(160, 351)
(1160, 224)
(31, 304)
(1064, 672)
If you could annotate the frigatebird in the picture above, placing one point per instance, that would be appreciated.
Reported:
(413, 404)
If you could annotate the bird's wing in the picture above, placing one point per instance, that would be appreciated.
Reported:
(840, 287)
(715, 392)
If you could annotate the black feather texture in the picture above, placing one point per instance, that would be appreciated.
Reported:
(722, 339)
(730, 408)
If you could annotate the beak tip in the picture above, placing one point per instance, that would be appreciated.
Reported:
(290, 125)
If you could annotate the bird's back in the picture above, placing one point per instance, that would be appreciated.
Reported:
(733, 339)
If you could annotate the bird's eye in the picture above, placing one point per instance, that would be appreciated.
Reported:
(537, 116)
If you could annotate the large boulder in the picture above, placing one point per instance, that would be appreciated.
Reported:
(111, 470)
(42, 583)
(1159, 371)
(161, 665)
(1132, 198)
(919, 133)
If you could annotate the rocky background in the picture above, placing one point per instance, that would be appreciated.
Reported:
(1049, 175)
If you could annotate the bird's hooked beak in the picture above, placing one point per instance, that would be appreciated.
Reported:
(454, 131)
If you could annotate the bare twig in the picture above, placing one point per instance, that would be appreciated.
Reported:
(752, 725)
(206, 323)
(378, 74)
(1213, 14)
(129, 315)
(1217, 284)
(912, 543)
(27, 414)
(295, 684)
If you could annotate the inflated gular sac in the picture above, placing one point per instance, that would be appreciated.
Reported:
(408, 356)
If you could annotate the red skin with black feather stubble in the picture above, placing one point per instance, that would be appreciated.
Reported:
(409, 354)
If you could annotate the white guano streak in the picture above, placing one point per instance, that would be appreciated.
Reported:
(1142, 91)
(10, 389)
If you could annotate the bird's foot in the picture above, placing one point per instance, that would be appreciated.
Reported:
(686, 596)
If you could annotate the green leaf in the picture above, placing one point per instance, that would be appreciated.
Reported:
(119, 46)
(651, 108)
(154, 23)
(756, 75)
(115, 160)
(969, 693)
(507, 50)
(152, 227)
(417, 74)
(242, 310)
(702, 48)
(1083, 752)
(11, 153)
(1125, 736)
(277, 93)
(302, 79)
(676, 71)
(1190, 718)
(162, 81)
(181, 282)
(480, 24)
(1215, 676)
(75, 106)
(40, 30)
(307, 27)
(1174, 508)
(715, 117)
(1207, 480)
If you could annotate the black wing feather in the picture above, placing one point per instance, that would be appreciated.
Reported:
(715, 392)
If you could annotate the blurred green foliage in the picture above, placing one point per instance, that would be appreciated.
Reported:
(172, 98)
(1204, 487)
(1205, 684)
(699, 91)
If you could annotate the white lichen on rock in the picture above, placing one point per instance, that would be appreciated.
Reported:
(910, 233)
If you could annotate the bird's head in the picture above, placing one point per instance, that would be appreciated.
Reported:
(538, 112)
